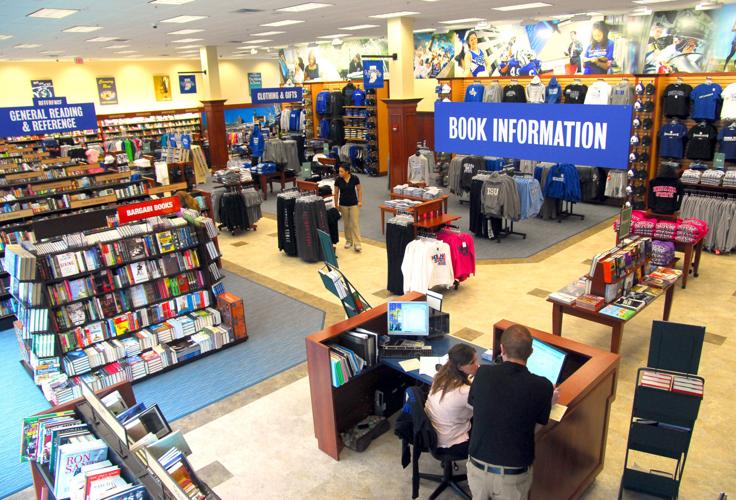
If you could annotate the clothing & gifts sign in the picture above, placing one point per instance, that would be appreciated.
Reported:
(276, 95)
(47, 116)
(582, 134)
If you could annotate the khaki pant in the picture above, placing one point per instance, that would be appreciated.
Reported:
(485, 485)
(351, 224)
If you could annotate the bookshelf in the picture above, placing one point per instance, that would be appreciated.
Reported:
(112, 304)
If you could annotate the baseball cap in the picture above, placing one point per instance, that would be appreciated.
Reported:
(648, 106)
(638, 105)
(633, 157)
(636, 123)
(644, 157)
(639, 89)
(647, 123)
(646, 141)
(634, 140)
(651, 89)
(631, 173)
(446, 89)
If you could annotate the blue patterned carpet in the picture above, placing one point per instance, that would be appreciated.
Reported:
(277, 325)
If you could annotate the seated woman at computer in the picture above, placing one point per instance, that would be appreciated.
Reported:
(447, 404)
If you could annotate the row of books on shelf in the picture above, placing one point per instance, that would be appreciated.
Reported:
(672, 382)
(14, 237)
(616, 263)
(351, 354)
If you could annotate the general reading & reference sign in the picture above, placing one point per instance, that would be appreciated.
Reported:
(581, 134)
(146, 209)
(48, 116)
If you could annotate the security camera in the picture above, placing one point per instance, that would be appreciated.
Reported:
(154, 26)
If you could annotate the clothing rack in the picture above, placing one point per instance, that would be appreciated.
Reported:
(568, 210)
(507, 229)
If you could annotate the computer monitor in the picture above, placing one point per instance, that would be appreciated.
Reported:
(546, 361)
(408, 319)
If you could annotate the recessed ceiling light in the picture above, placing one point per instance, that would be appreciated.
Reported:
(187, 40)
(251, 42)
(463, 21)
(522, 6)
(5, 37)
(127, 52)
(340, 35)
(27, 45)
(185, 32)
(304, 7)
(183, 19)
(285, 22)
(401, 13)
(53, 13)
(425, 30)
(103, 39)
(82, 29)
(117, 46)
(268, 33)
(360, 27)
(170, 2)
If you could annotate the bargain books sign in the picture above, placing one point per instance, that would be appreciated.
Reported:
(582, 134)
(146, 209)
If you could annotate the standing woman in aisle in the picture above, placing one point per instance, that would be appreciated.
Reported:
(349, 199)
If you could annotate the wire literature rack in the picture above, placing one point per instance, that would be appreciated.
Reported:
(337, 283)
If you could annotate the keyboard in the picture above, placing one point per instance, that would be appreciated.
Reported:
(398, 351)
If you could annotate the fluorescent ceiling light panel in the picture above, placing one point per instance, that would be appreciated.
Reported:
(340, 35)
(463, 21)
(522, 6)
(53, 13)
(305, 7)
(268, 33)
(401, 13)
(185, 32)
(425, 30)
(127, 52)
(285, 22)
(183, 19)
(82, 29)
(360, 27)
(5, 37)
(247, 47)
(646, 2)
(251, 42)
(52, 52)
(117, 46)
(187, 40)
(27, 45)
(170, 2)
(103, 39)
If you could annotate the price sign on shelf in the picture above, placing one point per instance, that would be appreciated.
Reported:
(143, 210)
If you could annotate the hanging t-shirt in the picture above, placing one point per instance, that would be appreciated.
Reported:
(677, 100)
(575, 93)
(514, 93)
(474, 93)
(358, 97)
(598, 93)
(418, 169)
(665, 195)
(705, 99)
(671, 140)
(728, 111)
(701, 143)
(727, 139)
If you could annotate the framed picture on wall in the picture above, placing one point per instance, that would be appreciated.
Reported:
(42, 89)
(162, 87)
(106, 90)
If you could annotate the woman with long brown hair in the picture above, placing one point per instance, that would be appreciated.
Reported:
(447, 404)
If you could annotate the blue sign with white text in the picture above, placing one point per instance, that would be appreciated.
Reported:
(373, 74)
(48, 116)
(276, 95)
(582, 134)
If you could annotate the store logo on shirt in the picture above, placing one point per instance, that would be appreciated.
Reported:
(574, 133)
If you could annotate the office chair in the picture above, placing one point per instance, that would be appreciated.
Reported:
(425, 440)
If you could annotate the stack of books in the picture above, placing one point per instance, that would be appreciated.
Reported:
(615, 263)
(183, 326)
(20, 263)
(590, 302)
(179, 469)
(569, 293)
(683, 384)
(43, 345)
(76, 362)
(146, 339)
(618, 312)
(662, 277)
(163, 331)
(153, 361)
(345, 364)
(137, 367)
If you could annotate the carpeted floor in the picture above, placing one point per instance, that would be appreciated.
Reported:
(541, 234)
(277, 325)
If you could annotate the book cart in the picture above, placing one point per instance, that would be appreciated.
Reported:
(116, 304)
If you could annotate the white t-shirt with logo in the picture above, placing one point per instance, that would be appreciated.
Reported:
(728, 111)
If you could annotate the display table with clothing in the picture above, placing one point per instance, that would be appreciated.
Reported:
(569, 453)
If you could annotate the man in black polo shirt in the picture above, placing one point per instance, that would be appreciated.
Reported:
(508, 403)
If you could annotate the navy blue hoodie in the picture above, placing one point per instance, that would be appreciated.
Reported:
(553, 93)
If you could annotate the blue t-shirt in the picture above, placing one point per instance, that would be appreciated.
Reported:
(474, 93)
(256, 142)
(358, 97)
(672, 140)
(705, 99)
(727, 140)
(592, 52)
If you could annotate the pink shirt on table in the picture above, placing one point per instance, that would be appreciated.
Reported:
(451, 416)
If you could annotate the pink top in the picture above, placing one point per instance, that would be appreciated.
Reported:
(451, 416)
(462, 252)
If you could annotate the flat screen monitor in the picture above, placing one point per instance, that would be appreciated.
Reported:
(546, 361)
(408, 318)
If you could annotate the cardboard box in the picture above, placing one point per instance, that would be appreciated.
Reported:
(233, 314)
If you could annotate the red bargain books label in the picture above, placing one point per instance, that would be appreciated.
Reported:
(143, 210)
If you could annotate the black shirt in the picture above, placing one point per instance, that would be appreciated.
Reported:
(677, 100)
(513, 93)
(348, 190)
(665, 195)
(508, 402)
(575, 93)
(701, 143)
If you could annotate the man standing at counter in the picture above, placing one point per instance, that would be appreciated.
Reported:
(508, 402)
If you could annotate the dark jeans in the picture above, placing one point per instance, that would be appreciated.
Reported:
(457, 450)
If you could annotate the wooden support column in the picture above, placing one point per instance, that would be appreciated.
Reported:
(215, 112)
(403, 134)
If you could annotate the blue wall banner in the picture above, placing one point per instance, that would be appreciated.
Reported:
(187, 84)
(373, 74)
(47, 119)
(255, 81)
(276, 95)
(583, 134)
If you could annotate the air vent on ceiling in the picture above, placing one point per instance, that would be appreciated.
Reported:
(247, 11)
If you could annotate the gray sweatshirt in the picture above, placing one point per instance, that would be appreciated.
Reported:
(493, 92)
(622, 93)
